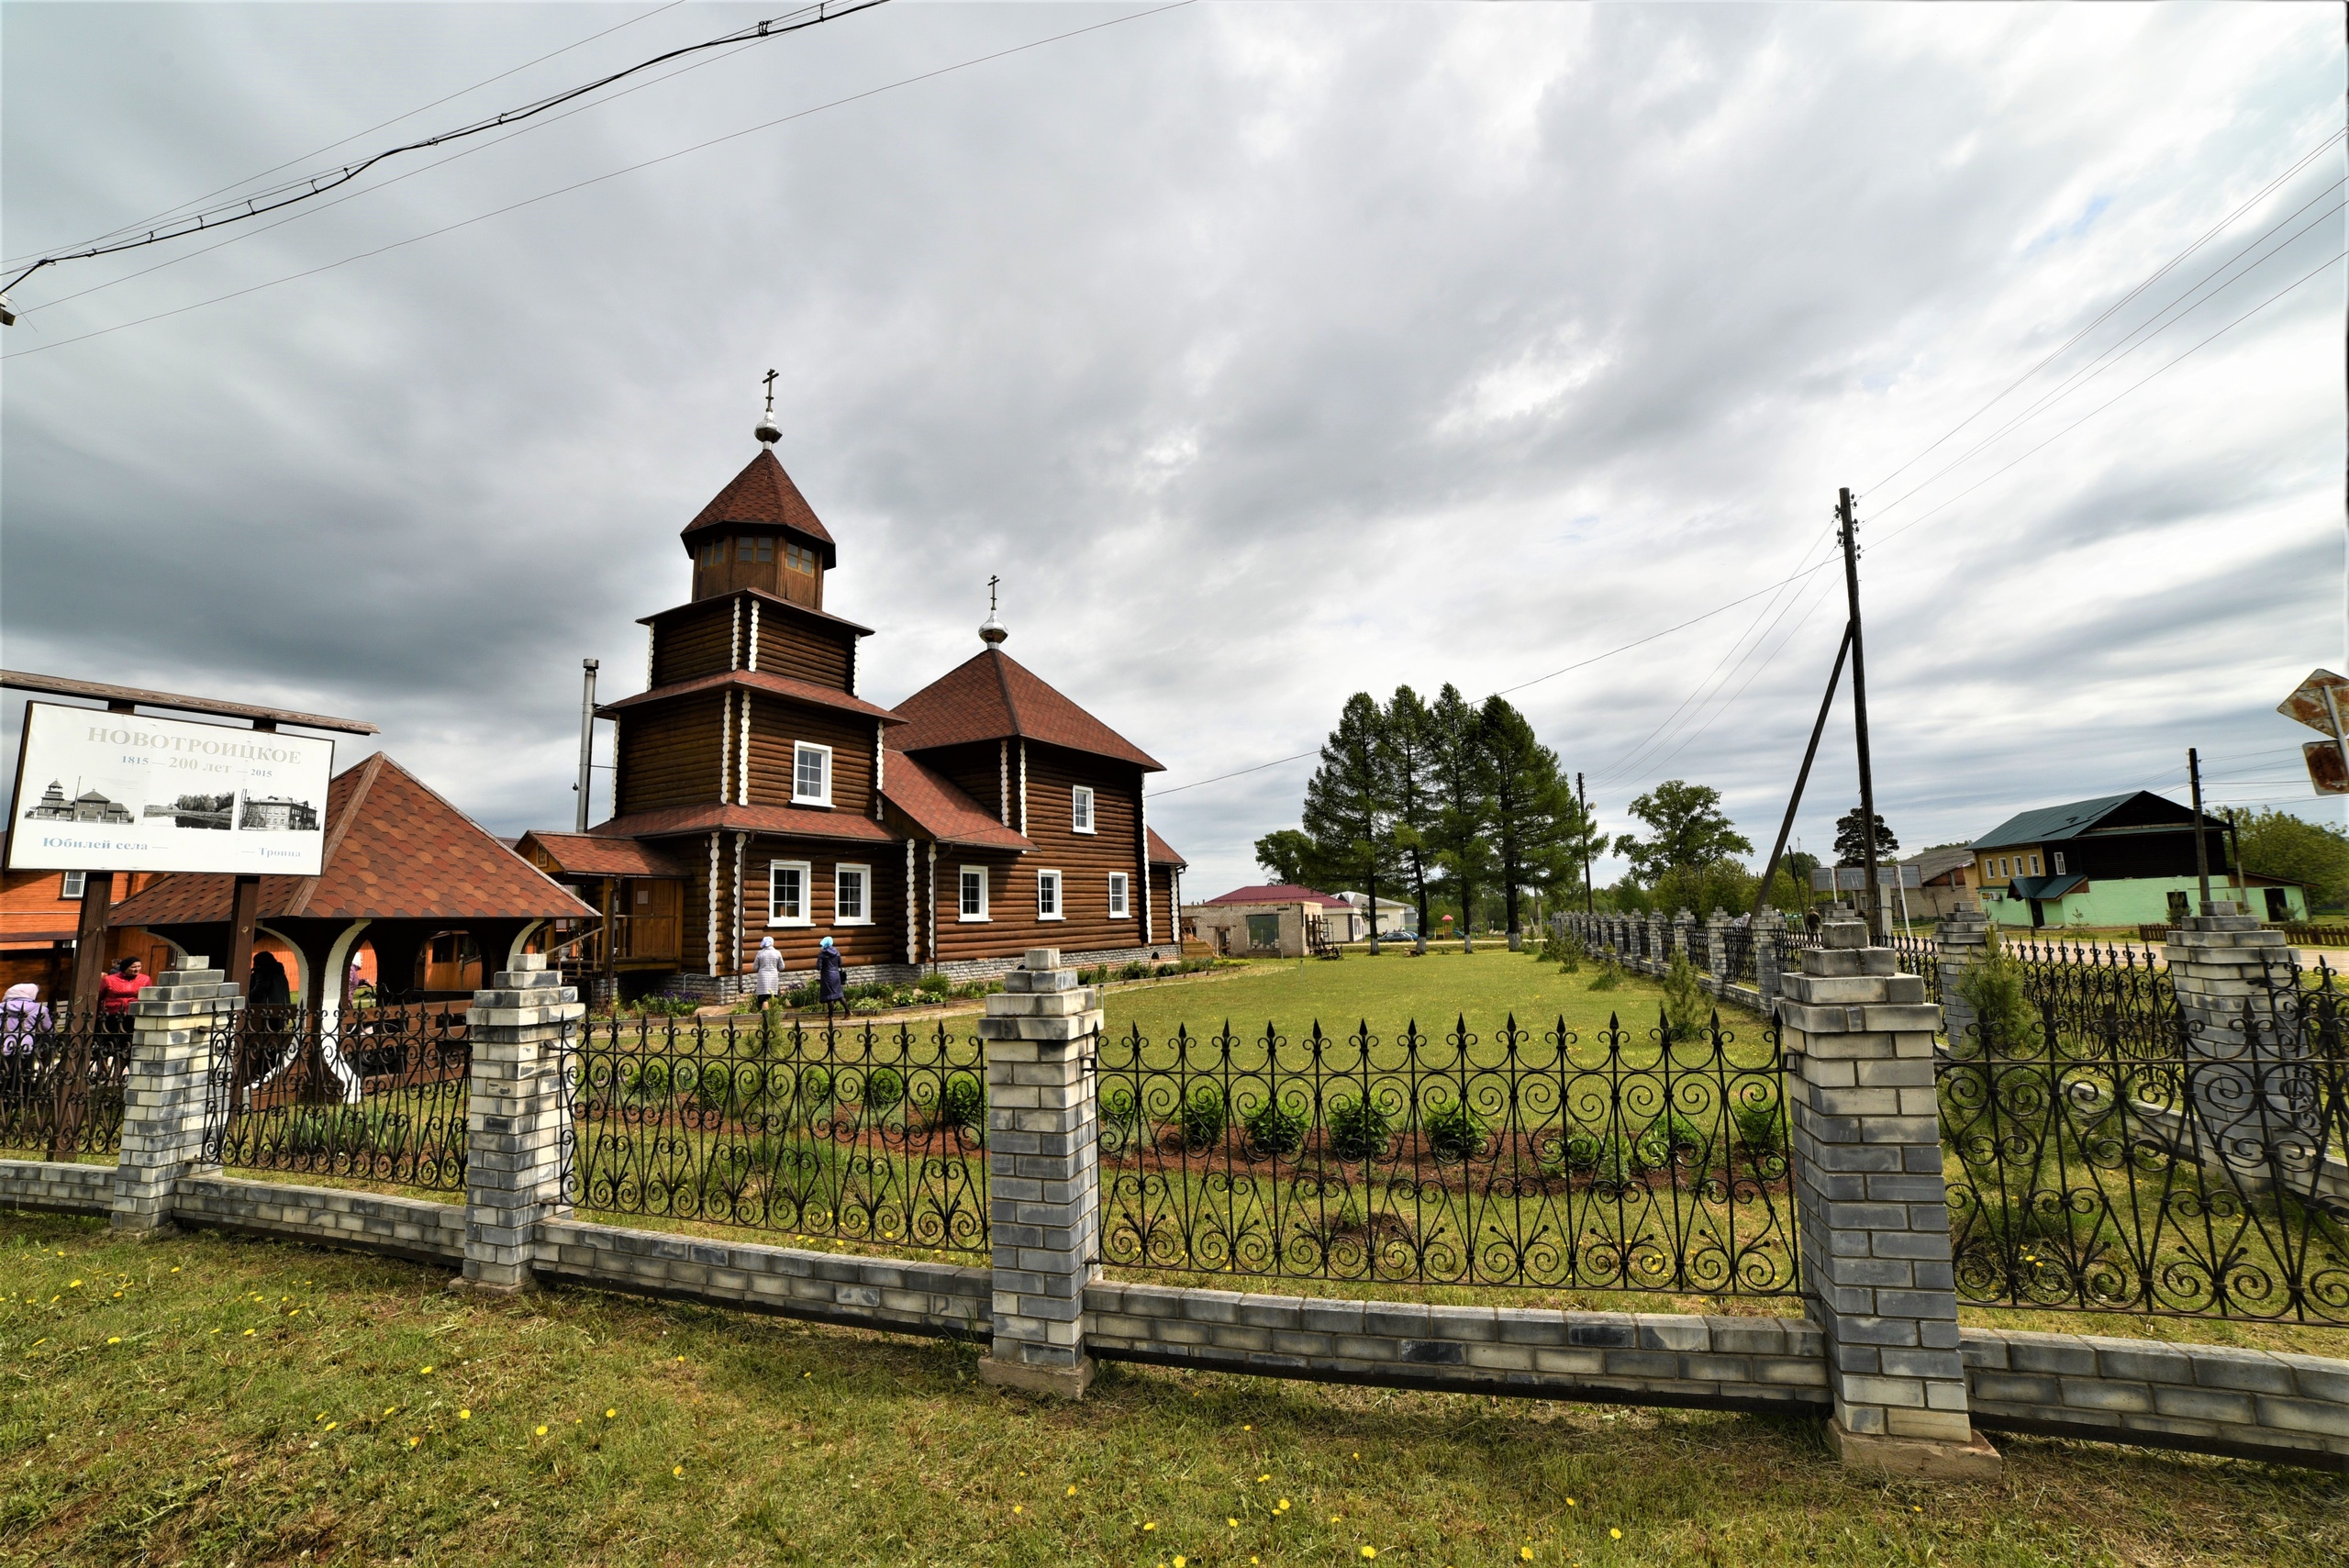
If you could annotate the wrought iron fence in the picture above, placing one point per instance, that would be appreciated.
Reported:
(376, 1093)
(1919, 956)
(1623, 1162)
(60, 1086)
(859, 1133)
(2107, 990)
(1737, 943)
(2088, 1171)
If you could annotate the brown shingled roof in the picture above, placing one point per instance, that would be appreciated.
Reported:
(785, 821)
(775, 604)
(762, 492)
(940, 808)
(993, 696)
(1161, 853)
(756, 681)
(584, 854)
(395, 850)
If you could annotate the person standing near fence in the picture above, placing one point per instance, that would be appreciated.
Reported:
(25, 1029)
(766, 972)
(831, 978)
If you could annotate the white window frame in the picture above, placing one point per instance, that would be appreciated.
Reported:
(962, 880)
(1122, 903)
(2034, 865)
(800, 749)
(864, 873)
(71, 883)
(1046, 877)
(1080, 809)
(2059, 862)
(807, 892)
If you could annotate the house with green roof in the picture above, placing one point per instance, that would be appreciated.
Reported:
(2117, 860)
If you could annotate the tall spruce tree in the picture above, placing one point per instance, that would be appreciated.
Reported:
(1348, 802)
(1534, 813)
(1410, 742)
(1463, 806)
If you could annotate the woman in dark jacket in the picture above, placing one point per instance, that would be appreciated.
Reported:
(831, 978)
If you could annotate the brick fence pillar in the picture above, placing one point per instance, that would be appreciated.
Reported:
(1683, 924)
(1769, 933)
(175, 1027)
(1043, 1196)
(515, 1119)
(1959, 942)
(1872, 1213)
(1717, 930)
(2246, 1046)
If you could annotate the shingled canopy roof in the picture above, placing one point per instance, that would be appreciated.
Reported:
(944, 811)
(585, 854)
(395, 850)
(1161, 853)
(763, 494)
(994, 697)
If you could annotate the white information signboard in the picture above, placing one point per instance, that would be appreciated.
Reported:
(100, 791)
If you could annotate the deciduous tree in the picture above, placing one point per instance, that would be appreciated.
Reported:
(1687, 827)
(1290, 856)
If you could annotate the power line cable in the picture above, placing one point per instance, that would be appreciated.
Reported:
(304, 190)
(2155, 276)
(178, 207)
(611, 175)
(468, 151)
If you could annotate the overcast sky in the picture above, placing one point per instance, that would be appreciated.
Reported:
(1267, 352)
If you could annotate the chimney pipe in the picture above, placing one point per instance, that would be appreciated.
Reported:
(586, 737)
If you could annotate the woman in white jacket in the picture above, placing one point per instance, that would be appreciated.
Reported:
(766, 972)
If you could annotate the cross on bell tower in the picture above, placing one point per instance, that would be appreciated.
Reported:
(991, 630)
(768, 431)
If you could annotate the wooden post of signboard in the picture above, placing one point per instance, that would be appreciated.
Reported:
(89, 968)
(244, 913)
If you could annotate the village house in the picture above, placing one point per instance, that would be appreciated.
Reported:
(1273, 920)
(2117, 860)
(758, 792)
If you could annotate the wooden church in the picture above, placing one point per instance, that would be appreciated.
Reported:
(758, 792)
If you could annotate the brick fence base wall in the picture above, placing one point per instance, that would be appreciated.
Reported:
(2286, 1408)
(733, 988)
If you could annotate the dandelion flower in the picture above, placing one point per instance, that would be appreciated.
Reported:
(1614, 1535)
(1262, 1479)
(1070, 1492)
(249, 1333)
(1335, 1517)
(465, 1415)
(175, 1271)
(332, 1425)
(1233, 1523)
(678, 1470)
(542, 1431)
(1569, 1503)
(1370, 1552)
(1525, 1554)
(426, 1371)
(413, 1441)
(1247, 1429)
(612, 1415)
(1017, 1508)
(1149, 1524)
(114, 1340)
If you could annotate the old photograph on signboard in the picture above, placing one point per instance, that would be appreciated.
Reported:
(100, 791)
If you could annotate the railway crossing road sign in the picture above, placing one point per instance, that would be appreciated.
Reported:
(2320, 702)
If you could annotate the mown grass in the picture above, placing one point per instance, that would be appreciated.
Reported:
(211, 1400)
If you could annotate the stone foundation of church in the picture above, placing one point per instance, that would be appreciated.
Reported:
(711, 988)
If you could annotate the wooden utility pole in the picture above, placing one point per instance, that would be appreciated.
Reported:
(2201, 841)
(1589, 899)
(1860, 711)
(1794, 803)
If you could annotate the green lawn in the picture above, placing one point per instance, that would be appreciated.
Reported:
(1392, 990)
(213, 1400)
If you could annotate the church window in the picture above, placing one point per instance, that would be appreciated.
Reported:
(787, 892)
(1080, 809)
(799, 559)
(974, 893)
(1048, 895)
(1118, 908)
(849, 907)
(811, 775)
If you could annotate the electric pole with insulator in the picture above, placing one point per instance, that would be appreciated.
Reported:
(1851, 528)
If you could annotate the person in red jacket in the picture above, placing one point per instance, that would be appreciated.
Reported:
(120, 987)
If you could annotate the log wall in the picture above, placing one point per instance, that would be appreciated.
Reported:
(669, 754)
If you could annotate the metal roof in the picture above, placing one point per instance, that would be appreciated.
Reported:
(2053, 824)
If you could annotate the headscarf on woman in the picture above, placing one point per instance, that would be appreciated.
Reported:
(767, 969)
(22, 1018)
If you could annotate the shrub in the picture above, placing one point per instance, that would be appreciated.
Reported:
(884, 1087)
(1574, 1153)
(1609, 976)
(935, 985)
(815, 1088)
(2003, 1015)
(801, 996)
(962, 1104)
(1136, 971)
(1685, 1005)
(1761, 1127)
(1453, 1132)
(1274, 1128)
(1205, 1115)
(645, 1080)
(1358, 1129)
(867, 1005)
(1117, 1108)
(904, 997)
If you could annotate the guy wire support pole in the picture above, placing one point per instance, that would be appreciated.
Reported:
(586, 737)
(1860, 711)
(2201, 839)
(1589, 899)
(1818, 726)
